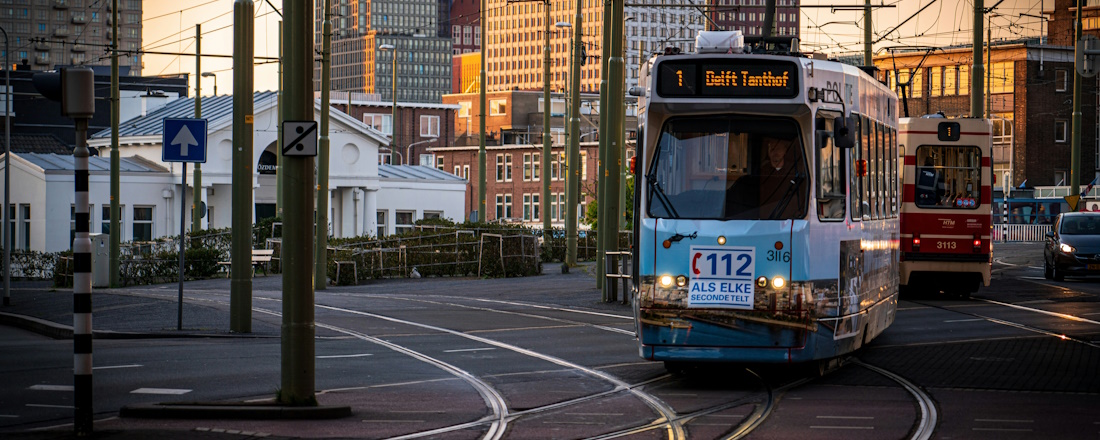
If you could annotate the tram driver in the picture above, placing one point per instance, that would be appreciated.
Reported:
(778, 176)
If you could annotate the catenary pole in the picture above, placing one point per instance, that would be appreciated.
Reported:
(482, 85)
(1075, 136)
(572, 183)
(116, 158)
(616, 81)
(602, 190)
(240, 288)
(320, 253)
(544, 205)
(977, 71)
(298, 327)
(196, 184)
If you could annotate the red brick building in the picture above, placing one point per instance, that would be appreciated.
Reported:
(420, 125)
(513, 158)
(1029, 97)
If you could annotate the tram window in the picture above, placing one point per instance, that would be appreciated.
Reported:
(894, 179)
(855, 155)
(948, 177)
(866, 179)
(880, 174)
(830, 169)
(728, 167)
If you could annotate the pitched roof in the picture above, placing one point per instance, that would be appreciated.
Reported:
(214, 108)
(58, 162)
(38, 143)
(415, 172)
(218, 111)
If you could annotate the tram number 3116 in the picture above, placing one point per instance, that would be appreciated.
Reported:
(783, 256)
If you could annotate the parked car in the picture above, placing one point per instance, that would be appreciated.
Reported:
(1073, 246)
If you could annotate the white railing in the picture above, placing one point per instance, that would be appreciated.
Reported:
(1014, 232)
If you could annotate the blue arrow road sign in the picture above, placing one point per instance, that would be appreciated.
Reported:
(184, 140)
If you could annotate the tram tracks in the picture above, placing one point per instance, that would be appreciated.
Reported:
(499, 421)
(1023, 326)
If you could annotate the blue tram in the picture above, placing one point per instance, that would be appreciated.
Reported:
(766, 220)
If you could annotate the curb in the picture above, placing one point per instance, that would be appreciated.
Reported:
(234, 411)
(61, 331)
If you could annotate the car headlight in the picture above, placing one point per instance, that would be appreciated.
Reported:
(1067, 248)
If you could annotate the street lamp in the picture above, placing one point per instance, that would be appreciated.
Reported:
(408, 148)
(211, 74)
(393, 91)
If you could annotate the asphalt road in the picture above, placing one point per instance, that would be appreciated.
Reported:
(542, 357)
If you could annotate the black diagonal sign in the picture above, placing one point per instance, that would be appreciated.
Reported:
(300, 138)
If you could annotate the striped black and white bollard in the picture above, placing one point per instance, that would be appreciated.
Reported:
(82, 288)
(74, 88)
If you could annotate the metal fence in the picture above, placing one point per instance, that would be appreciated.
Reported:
(1019, 232)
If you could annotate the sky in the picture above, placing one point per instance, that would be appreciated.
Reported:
(169, 26)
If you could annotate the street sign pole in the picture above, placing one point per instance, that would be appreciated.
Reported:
(183, 214)
(184, 140)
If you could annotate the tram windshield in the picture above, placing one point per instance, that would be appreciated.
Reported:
(948, 177)
(728, 167)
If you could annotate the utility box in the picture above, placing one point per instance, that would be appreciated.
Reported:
(101, 260)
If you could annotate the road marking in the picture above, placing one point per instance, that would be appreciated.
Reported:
(1003, 421)
(593, 414)
(8, 416)
(51, 387)
(1033, 278)
(677, 394)
(469, 349)
(169, 391)
(393, 421)
(341, 356)
(846, 417)
(111, 367)
(964, 320)
(39, 405)
(1002, 429)
(571, 423)
(842, 427)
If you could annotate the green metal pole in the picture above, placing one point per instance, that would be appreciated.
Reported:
(977, 71)
(394, 131)
(544, 205)
(572, 183)
(279, 138)
(483, 84)
(320, 253)
(240, 287)
(616, 78)
(1075, 138)
(298, 328)
(602, 189)
(196, 186)
(116, 160)
(868, 58)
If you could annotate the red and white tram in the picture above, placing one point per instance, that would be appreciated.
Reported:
(946, 210)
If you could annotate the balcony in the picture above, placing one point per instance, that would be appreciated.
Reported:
(42, 60)
(77, 48)
(61, 4)
(41, 45)
(80, 19)
(61, 32)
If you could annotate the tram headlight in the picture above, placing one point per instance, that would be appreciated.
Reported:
(778, 282)
(681, 281)
(665, 281)
(1067, 248)
(721, 239)
(762, 282)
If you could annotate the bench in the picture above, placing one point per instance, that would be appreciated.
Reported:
(261, 258)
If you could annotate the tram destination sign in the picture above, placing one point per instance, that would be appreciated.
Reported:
(728, 78)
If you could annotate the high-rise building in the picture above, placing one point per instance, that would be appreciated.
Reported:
(46, 34)
(421, 46)
(515, 39)
(748, 16)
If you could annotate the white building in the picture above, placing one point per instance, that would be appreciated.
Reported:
(360, 202)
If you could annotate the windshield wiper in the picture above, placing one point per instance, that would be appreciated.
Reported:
(655, 188)
(796, 183)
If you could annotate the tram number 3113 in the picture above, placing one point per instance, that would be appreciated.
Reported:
(945, 245)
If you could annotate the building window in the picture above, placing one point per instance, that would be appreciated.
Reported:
(500, 206)
(143, 223)
(527, 167)
(1060, 130)
(380, 122)
(584, 165)
(527, 207)
(1061, 80)
(464, 109)
(433, 215)
(507, 206)
(380, 217)
(429, 126)
(557, 166)
(466, 172)
(536, 164)
(535, 205)
(439, 163)
(507, 167)
(498, 107)
(500, 168)
(403, 223)
(25, 232)
(105, 225)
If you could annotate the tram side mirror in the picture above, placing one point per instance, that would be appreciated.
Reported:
(843, 132)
